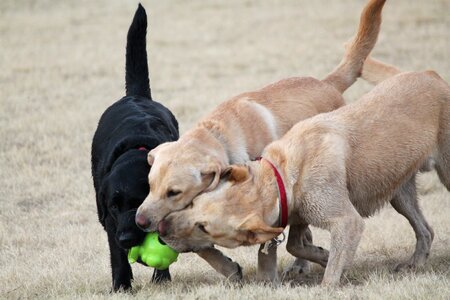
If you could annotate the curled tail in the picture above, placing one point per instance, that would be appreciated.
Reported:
(137, 81)
(375, 71)
(359, 48)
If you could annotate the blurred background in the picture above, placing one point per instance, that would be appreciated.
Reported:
(62, 64)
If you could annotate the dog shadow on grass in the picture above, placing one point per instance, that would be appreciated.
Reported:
(366, 270)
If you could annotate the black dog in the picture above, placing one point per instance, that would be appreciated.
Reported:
(127, 130)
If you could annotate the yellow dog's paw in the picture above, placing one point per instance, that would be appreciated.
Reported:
(298, 266)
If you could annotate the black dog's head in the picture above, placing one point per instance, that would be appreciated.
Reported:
(122, 191)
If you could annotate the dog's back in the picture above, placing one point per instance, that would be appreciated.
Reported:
(400, 123)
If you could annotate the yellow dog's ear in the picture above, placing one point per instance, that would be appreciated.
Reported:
(257, 230)
(211, 174)
(236, 173)
(151, 157)
(152, 154)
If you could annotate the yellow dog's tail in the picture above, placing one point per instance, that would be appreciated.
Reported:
(359, 48)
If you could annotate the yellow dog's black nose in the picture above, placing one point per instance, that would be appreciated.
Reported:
(142, 221)
(162, 227)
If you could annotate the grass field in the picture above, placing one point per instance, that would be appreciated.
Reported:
(62, 64)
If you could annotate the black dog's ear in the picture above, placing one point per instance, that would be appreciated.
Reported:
(101, 203)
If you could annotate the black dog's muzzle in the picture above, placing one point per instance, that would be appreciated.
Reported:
(128, 234)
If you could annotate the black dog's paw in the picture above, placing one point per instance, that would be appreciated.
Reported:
(160, 276)
(121, 287)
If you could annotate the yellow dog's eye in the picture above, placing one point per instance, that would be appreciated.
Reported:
(202, 227)
(173, 193)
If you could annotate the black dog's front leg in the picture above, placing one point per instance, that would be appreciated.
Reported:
(121, 269)
(161, 276)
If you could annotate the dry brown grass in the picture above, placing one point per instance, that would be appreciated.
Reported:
(62, 64)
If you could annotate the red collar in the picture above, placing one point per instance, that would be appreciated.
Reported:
(142, 148)
(283, 218)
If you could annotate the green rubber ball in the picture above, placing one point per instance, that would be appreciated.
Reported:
(153, 253)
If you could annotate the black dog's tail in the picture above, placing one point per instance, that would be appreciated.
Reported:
(137, 81)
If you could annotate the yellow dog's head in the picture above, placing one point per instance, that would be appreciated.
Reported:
(180, 171)
(235, 213)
